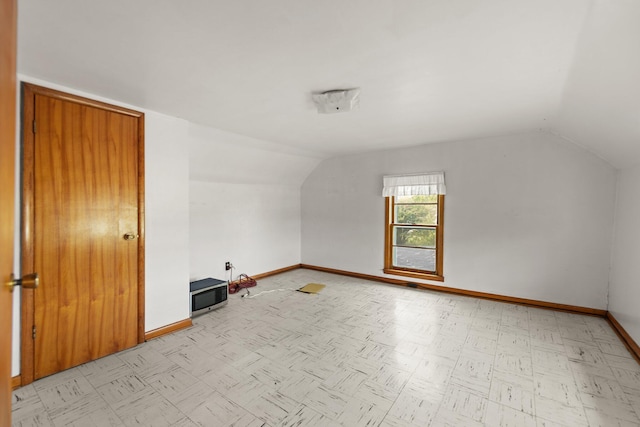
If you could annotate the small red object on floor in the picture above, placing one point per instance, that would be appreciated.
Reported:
(243, 282)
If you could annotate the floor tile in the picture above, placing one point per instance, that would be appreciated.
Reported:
(178, 386)
(91, 413)
(513, 391)
(414, 410)
(145, 361)
(35, 419)
(598, 408)
(104, 370)
(514, 340)
(465, 403)
(505, 416)
(328, 402)
(121, 388)
(359, 413)
(305, 416)
(584, 351)
(298, 385)
(28, 409)
(481, 343)
(147, 407)
(220, 411)
(65, 393)
(562, 389)
(546, 360)
(599, 386)
(515, 362)
(346, 380)
(377, 394)
(272, 407)
(629, 379)
(474, 371)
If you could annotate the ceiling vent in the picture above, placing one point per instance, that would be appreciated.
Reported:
(337, 101)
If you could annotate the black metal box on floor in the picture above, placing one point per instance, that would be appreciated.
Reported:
(206, 295)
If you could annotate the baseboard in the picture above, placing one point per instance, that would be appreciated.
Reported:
(278, 271)
(164, 330)
(464, 292)
(632, 346)
(16, 382)
(352, 274)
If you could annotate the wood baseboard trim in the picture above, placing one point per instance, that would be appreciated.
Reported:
(632, 346)
(164, 330)
(278, 271)
(16, 382)
(352, 274)
(464, 292)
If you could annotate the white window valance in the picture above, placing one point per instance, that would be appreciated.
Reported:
(414, 185)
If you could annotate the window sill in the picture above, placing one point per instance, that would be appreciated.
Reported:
(414, 274)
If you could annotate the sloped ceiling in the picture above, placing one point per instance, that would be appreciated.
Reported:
(429, 70)
(601, 101)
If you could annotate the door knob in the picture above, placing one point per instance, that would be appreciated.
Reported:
(30, 281)
(130, 236)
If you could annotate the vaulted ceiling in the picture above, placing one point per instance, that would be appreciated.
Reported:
(429, 70)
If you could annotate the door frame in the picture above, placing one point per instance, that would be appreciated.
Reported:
(8, 35)
(29, 92)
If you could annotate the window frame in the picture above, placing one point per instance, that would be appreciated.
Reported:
(389, 268)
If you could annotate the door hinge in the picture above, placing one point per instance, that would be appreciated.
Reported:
(34, 126)
(33, 332)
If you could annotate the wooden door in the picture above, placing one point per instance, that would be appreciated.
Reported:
(7, 194)
(83, 228)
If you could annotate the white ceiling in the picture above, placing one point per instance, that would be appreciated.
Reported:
(429, 70)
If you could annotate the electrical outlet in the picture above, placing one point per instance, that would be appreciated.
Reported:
(227, 265)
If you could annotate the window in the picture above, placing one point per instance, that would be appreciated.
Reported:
(414, 236)
(414, 226)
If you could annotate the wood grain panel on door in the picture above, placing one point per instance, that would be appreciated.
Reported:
(7, 195)
(85, 200)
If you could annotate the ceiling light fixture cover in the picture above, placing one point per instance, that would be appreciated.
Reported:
(337, 101)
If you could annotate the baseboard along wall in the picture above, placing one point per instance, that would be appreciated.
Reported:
(164, 330)
(16, 382)
(632, 346)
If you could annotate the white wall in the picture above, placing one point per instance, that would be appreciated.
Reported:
(528, 216)
(166, 218)
(244, 203)
(256, 227)
(624, 292)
